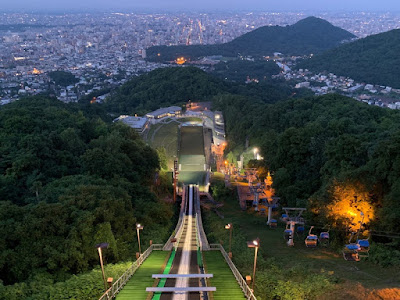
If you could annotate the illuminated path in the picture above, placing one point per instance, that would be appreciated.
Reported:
(187, 250)
(185, 261)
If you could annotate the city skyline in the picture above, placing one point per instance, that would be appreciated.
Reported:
(205, 5)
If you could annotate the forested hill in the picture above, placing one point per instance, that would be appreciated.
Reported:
(176, 85)
(324, 150)
(374, 59)
(68, 182)
(310, 35)
(164, 87)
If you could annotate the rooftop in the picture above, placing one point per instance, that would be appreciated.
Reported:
(134, 122)
(164, 110)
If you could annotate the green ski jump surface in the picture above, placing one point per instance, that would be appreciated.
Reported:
(223, 280)
(136, 286)
(191, 155)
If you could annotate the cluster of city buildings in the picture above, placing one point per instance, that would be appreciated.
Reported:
(324, 83)
(103, 50)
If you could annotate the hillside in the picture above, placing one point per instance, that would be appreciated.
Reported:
(164, 87)
(238, 70)
(176, 85)
(68, 182)
(310, 35)
(374, 59)
(319, 146)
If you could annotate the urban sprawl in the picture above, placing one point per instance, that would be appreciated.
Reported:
(103, 50)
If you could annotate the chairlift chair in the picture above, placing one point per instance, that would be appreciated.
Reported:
(300, 230)
(284, 217)
(350, 251)
(273, 223)
(324, 238)
(364, 248)
(311, 240)
(363, 244)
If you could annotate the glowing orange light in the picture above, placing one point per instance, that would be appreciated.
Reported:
(352, 213)
(346, 206)
(180, 60)
(36, 71)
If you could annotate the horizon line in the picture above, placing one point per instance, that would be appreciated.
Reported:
(192, 11)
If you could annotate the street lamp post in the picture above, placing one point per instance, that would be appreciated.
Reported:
(175, 176)
(254, 244)
(139, 227)
(99, 247)
(230, 227)
(255, 150)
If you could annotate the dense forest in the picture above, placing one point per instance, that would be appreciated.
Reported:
(314, 145)
(63, 78)
(322, 150)
(69, 180)
(373, 60)
(239, 70)
(164, 87)
(175, 86)
(310, 35)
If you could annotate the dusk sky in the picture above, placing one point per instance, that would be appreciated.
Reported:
(206, 5)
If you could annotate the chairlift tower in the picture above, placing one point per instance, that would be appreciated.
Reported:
(256, 190)
(293, 218)
(271, 202)
(251, 174)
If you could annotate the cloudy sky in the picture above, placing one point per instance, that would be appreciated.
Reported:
(205, 5)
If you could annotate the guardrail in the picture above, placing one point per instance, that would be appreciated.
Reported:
(242, 283)
(120, 283)
(200, 232)
(179, 226)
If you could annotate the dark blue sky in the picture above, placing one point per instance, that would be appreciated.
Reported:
(206, 5)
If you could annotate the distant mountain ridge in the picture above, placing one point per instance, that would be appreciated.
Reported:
(374, 59)
(310, 35)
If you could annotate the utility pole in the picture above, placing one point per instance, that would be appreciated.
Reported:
(99, 247)
(175, 175)
(138, 228)
(230, 227)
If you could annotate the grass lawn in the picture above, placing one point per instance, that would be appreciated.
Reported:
(218, 176)
(273, 245)
(165, 135)
(136, 286)
(223, 280)
(149, 135)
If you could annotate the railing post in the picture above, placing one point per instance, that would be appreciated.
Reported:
(120, 283)
(243, 285)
